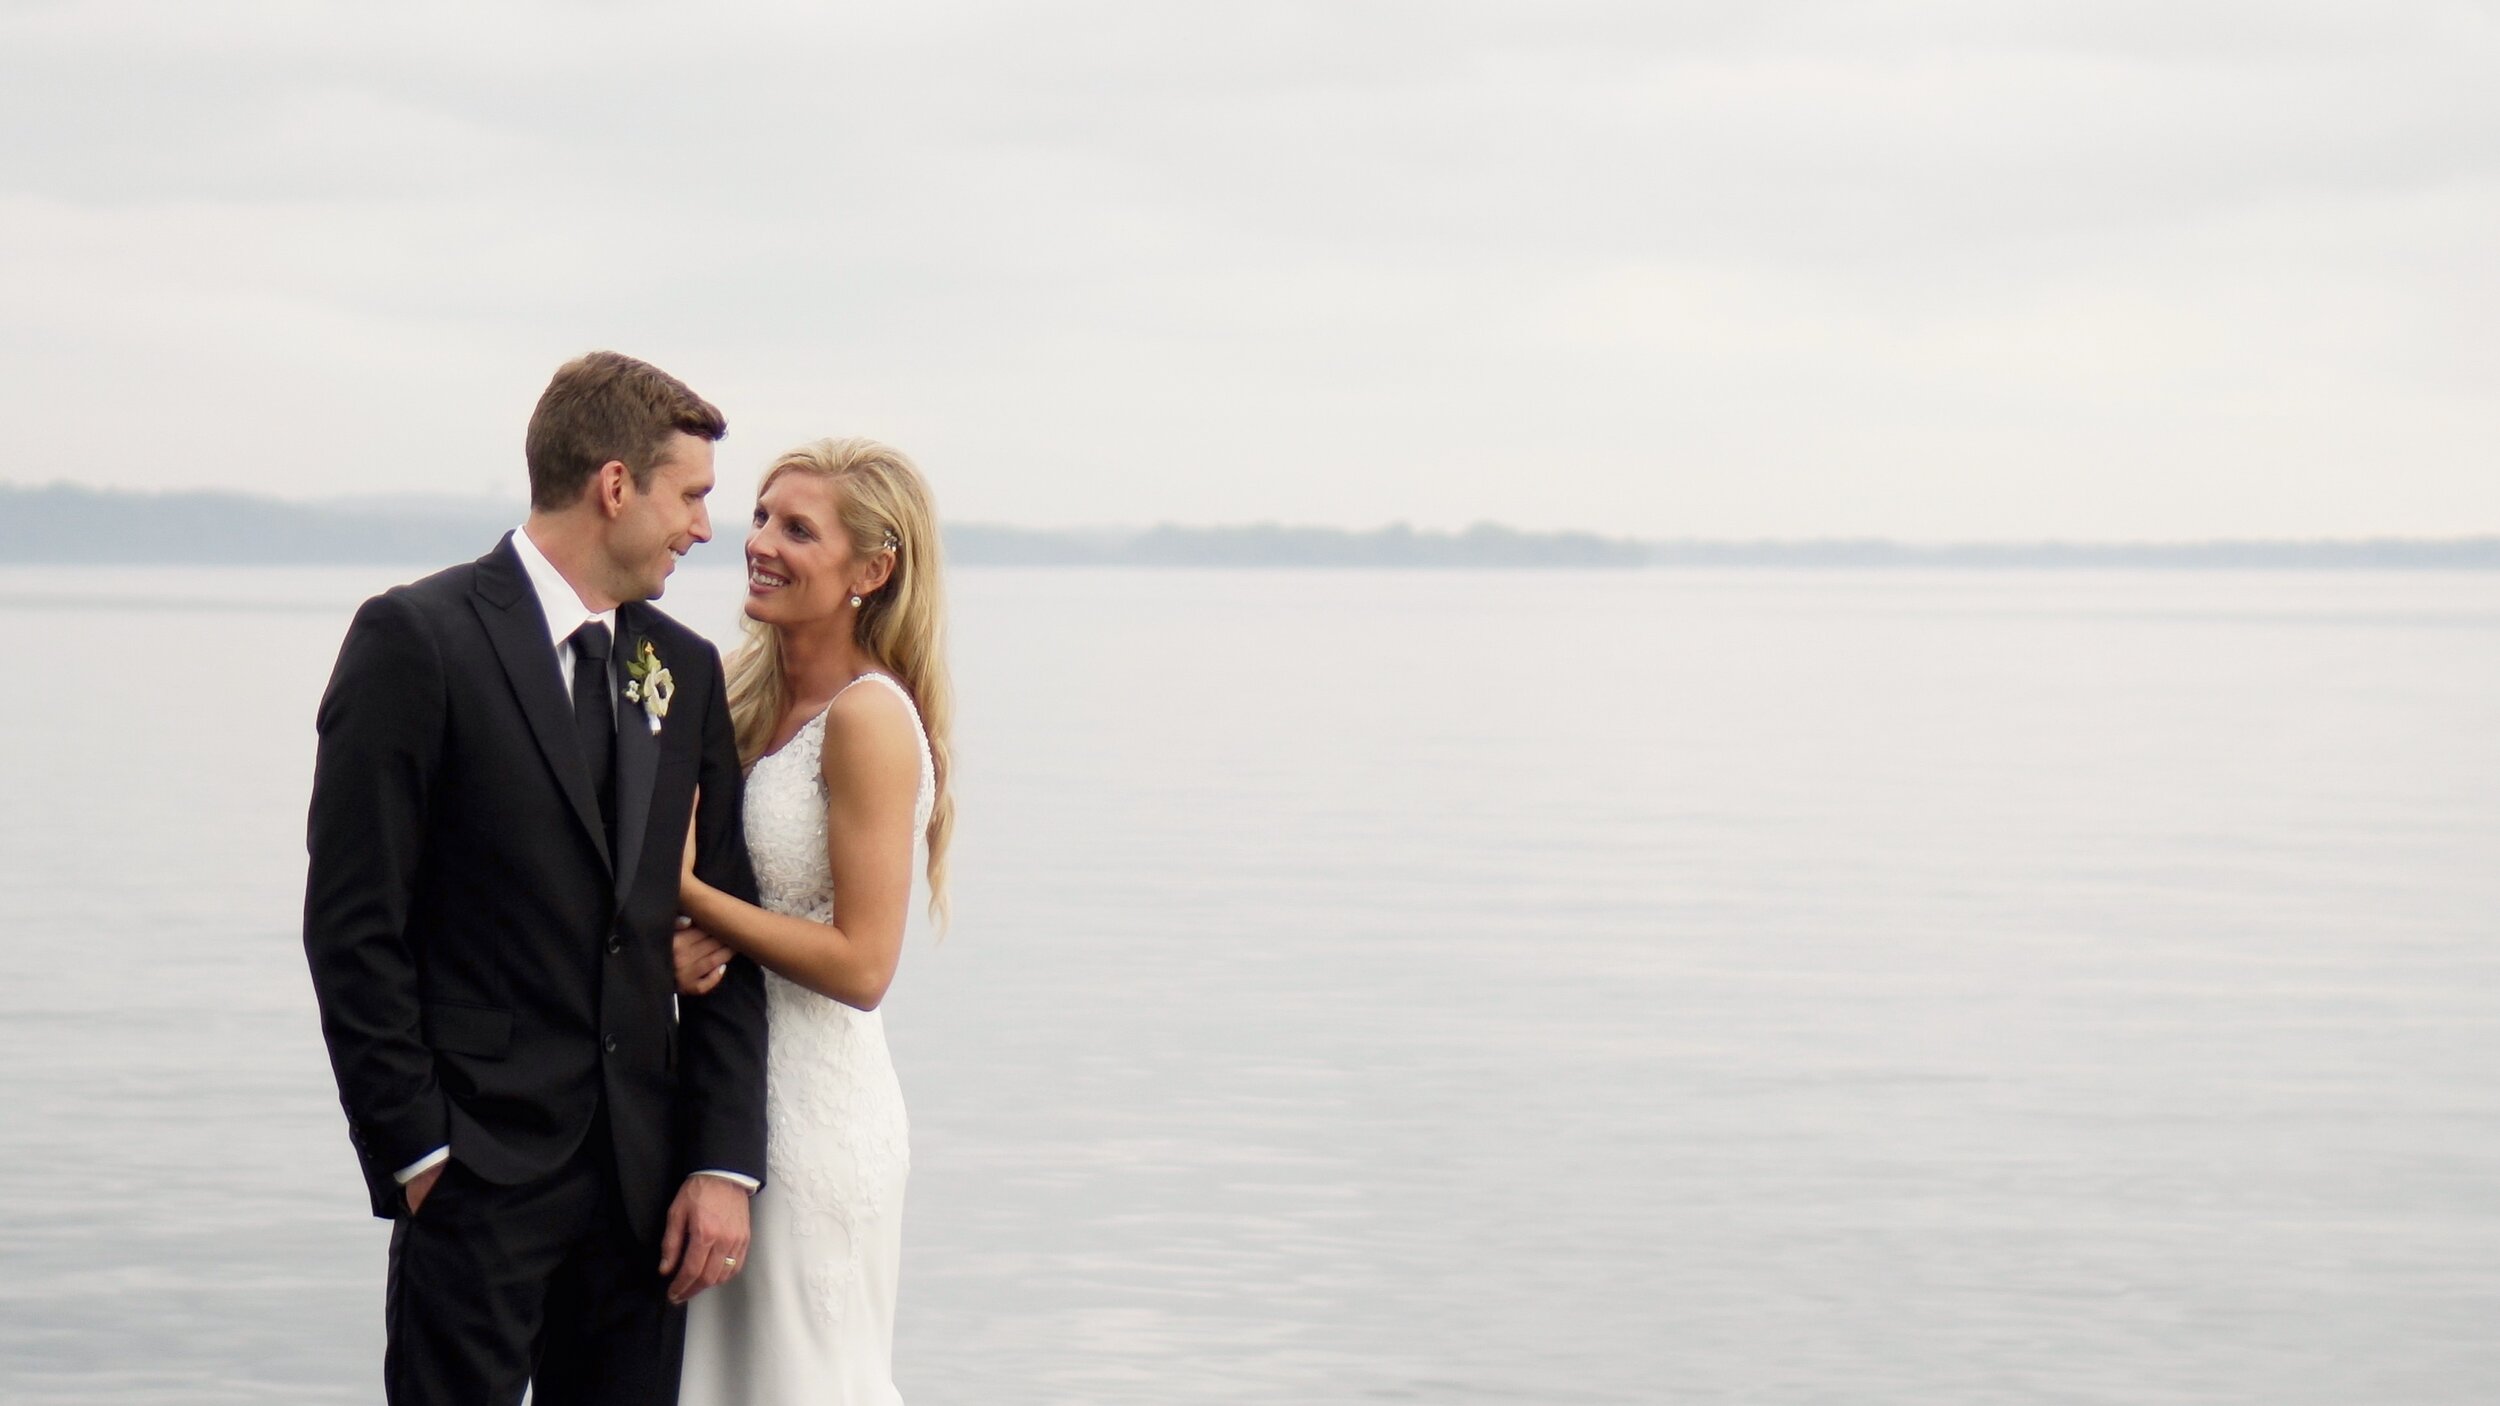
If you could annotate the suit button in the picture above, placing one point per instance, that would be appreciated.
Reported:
(615, 944)
(608, 1044)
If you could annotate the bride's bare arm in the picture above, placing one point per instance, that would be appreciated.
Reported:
(872, 780)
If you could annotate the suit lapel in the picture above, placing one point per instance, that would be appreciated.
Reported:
(637, 760)
(508, 608)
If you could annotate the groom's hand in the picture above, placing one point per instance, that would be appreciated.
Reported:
(706, 1243)
(421, 1186)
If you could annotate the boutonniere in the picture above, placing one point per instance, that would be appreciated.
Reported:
(648, 682)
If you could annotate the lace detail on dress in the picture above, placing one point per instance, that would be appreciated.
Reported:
(837, 1136)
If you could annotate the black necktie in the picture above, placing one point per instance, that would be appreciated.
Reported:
(594, 716)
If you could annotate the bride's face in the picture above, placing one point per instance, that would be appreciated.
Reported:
(800, 566)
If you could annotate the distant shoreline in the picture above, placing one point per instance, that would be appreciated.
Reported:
(65, 525)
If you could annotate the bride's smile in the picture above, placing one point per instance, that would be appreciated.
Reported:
(801, 565)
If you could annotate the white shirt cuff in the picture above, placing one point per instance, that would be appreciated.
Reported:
(441, 1155)
(435, 1158)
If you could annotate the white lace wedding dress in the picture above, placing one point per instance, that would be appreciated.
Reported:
(811, 1316)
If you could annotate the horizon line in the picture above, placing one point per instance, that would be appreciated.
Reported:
(365, 504)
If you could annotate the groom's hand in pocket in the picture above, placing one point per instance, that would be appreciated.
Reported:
(421, 1186)
(706, 1242)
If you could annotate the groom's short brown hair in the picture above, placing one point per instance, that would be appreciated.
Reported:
(604, 406)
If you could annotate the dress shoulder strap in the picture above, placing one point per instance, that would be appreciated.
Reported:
(928, 758)
(888, 680)
(901, 692)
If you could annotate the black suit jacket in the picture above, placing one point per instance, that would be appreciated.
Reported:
(487, 971)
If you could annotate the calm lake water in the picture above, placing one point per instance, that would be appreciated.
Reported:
(1647, 987)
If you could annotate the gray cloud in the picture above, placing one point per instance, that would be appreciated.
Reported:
(1933, 269)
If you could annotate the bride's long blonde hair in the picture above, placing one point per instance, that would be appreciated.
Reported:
(884, 505)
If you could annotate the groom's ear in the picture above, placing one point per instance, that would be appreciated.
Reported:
(608, 487)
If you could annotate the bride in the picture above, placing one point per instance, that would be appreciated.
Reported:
(841, 703)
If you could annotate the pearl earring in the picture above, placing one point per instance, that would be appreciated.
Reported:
(854, 602)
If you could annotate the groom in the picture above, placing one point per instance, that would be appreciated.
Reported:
(510, 754)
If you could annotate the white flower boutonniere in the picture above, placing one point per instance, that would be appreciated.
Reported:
(649, 683)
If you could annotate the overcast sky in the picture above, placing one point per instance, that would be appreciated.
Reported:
(1926, 269)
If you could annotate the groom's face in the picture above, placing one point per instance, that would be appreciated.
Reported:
(657, 525)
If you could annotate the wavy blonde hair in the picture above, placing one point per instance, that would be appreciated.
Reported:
(884, 505)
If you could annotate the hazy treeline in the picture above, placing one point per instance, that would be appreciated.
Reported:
(1269, 544)
(2363, 553)
(67, 524)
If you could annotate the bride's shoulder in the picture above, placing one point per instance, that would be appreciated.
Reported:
(871, 732)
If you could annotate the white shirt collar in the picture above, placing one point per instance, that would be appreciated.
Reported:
(557, 600)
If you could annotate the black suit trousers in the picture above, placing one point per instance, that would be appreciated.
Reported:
(544, 1284)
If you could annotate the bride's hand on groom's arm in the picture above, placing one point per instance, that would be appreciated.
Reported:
(701, 959)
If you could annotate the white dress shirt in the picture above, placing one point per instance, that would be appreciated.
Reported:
(565, 612)
(562, 606)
